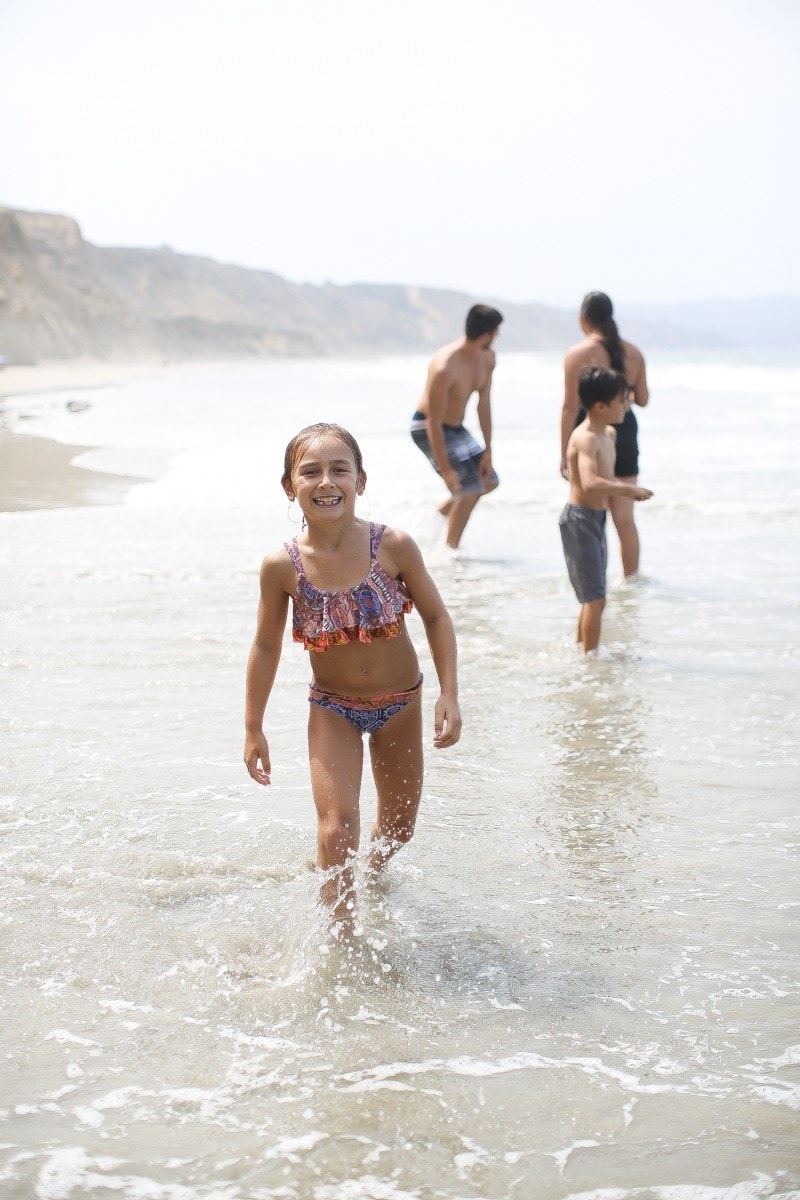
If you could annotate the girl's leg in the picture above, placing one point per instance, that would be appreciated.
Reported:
(397, 767)
(336, 755)
(622, 515)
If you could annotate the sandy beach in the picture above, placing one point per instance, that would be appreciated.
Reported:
(79, 373)
(38, 472)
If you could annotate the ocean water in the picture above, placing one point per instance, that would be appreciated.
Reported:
(579, 980)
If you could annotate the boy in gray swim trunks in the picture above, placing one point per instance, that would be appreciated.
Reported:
(591, 453)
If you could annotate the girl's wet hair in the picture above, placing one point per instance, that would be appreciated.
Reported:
(301, 440)
(598, 310)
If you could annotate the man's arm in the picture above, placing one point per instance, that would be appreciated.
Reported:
(485, 420)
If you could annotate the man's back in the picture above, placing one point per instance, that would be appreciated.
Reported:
(455, 372)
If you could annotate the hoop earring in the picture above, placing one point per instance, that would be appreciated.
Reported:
(363, 496)
(290, 512)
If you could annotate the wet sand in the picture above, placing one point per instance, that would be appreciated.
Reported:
(37, 472)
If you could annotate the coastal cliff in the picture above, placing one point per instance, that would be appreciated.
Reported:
(62, 297)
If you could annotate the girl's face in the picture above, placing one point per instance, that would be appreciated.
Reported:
(325, 480)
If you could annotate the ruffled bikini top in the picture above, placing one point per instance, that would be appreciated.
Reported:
(371, 609)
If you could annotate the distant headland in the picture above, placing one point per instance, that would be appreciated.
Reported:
(63, 298)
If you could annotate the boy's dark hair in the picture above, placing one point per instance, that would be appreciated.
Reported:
(600, 385)
(482, 318)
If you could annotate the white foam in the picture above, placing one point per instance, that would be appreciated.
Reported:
(364, 1187)
(64, 1037)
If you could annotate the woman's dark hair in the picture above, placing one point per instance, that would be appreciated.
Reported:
(598, 310)
(300, 440)
(600, 385)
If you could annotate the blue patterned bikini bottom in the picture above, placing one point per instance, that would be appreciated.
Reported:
(367, 715)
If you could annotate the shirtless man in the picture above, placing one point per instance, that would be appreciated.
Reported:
(603, 347)
(590, 457)
(437, 427)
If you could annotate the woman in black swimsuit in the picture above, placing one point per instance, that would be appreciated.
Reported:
(603, 347)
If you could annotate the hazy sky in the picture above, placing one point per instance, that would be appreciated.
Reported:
(518, 149)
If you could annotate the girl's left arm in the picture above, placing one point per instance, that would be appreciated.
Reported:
(439, 630)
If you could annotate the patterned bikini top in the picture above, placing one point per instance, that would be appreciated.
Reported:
(372, 609)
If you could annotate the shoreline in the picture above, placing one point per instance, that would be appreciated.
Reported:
(38, 472)
(80, 374)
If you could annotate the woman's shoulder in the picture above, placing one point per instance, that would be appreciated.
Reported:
(584, 352)
(632, 351)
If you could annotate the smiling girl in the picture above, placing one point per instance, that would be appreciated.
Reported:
(351, 583)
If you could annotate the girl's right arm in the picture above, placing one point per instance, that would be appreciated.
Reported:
(262, 663)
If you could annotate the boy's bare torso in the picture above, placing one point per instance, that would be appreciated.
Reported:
(600, 447)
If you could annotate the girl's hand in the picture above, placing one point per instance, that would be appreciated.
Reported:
(256, 750)
(446, 722)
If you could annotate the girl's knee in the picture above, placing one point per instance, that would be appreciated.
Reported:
(403, 833)
(397, 832)
(337, 838)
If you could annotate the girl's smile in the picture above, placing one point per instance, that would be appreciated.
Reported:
(326, 478)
